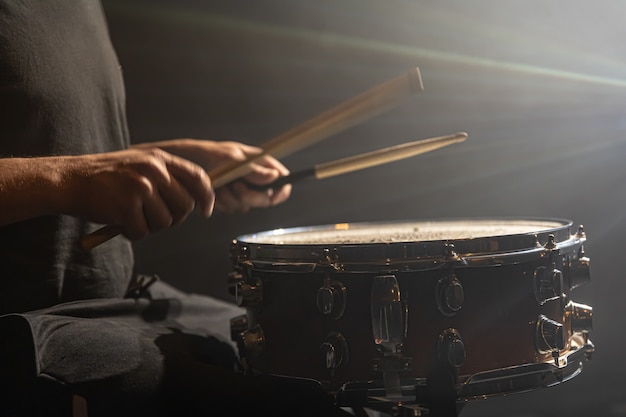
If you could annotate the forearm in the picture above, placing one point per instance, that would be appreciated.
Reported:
(30, 187)
(139, 190)
(189, 149)
(208, 154)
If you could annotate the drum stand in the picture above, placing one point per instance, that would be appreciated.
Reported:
(434, 396)
(441, 391)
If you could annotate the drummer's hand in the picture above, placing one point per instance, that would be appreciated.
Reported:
(236, 196)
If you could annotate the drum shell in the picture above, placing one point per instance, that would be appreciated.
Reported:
(497, 321)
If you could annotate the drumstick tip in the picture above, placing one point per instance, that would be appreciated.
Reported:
(415, 77)
(458, 137)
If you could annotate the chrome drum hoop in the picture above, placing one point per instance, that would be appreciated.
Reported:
(294, 249)
(480, 386)
(529, 377)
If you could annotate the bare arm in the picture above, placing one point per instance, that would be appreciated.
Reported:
(139, 190)
(30, 187)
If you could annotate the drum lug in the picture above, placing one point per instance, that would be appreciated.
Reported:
(548, 284)
(335, 351)
(589, 347)
(580, 316)
(238, 325)
(331, 299)
(234, 277)
(579, 271)
(450, 295)
(549, 335)
(250, 342)
(450, 348)
(388, 313)
(240, 273)
(249, 293)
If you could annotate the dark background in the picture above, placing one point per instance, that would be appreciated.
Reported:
(539, 87)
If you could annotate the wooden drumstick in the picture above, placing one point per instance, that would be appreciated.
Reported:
(366, 160)
(349, 113)
(366, 105)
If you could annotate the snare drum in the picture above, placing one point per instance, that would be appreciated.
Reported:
(375, 307)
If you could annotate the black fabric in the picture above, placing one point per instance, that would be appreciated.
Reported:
(111, 352)
(164, 356)
(61, 93)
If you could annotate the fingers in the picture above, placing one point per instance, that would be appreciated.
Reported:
(236, 197)
(266, 171)
(162, 190)
(190, 184)
(280, 195)
(169, 206)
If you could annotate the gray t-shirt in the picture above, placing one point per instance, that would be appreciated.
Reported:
(167, 354)
(61, 93)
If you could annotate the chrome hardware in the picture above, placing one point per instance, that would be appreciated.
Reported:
(331, 299)
(330, 258)
(387, 313)
(551, 243)
(238, 325)
(234, 278)
(579, 271)
(450, 347)
(248, 293)
(493, 383)
(251, 342)
(580, 316)
(589, 347)
(390, 367)
(392, 364)
(335, 351)
(515, 379)
(549, 335)
(389, 325)
(548, 284)
(450, 295)
(239, 253)
(449, 252)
